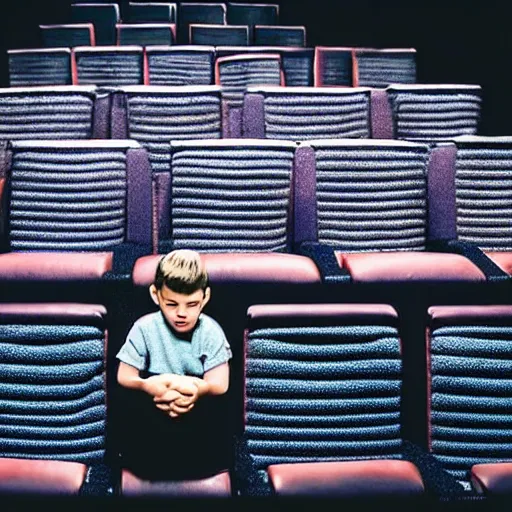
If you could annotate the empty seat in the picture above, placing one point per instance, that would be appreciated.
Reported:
(155, 115)
(151, 12)
(301, 113)
(42, 66)
(53, 379)
(58, 36)
(469, 390)
(323, 386)
(382, 67)
(361, 212)
(104, 17)
(297, 63)
(59, 112)
(180, 65)
(252, 14)
(279, 35)
(145, 34)
(109, 65)
(231, 195)
(204, 13)
(217, 35)
(235, 74)
(334, 66)
(434, 112)
(86, 204)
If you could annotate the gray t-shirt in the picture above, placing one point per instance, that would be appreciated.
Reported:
(153, 347)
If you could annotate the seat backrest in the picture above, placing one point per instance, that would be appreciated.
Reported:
(104, 17)
(280, 35)
(180, 65)
(301, 113)
(231, 195)
(109, 65)
(362, 195)
(469, 352)
(67, 36)
(434, 112)
(252, 14)
(334, 66)
(151, 12)
(58, 112)
(37, 67)
(382, 67)
(323, 382)
(145, 34)
(77, 195)
(53, 380)
(155, 115)
(216, 35)
(205, 13)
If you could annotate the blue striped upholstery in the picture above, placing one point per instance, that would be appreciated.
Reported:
(333, 66)
(39, 67)
(302, 113)
(483, 179)
(217, 35)
(109, 66)
(52, 389)
(252, 14)
(68, 196)
(380, 68)
(231, 197)
(157, 115)
(145, 34)
(151, 12)
(46, 112)
(67, 36)
(371, 195)
(103, 16)
(274, 35)
(181, 65)
(435, 112)
(201, 12)
(471, 411)
(322, 390)
(298, 67)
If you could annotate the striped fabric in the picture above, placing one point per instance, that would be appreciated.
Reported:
(151, 12)
(34, 68)
(217, 35)
(323, 393)
(309, 113)
(104, 17)
(238, 74)
(66, 36)
(201, 12)
(46, 113)
(471, 409)
(380, 69)
(52, 392)
(435, 113)
(156, 118)
(483, 179)
(181, 67)
(232, 199)
(279, 36)
(371, 197)
(252, 14)
(336, 68)
(109, 68)
(145, 34)
(298, 68)
(67, 199)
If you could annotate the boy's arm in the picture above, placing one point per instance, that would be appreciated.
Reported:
(214, 381)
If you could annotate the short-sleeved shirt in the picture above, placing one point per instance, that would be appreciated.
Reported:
(151, 346)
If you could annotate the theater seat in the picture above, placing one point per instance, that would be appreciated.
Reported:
(492, 479)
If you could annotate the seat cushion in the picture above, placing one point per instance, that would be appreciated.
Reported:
(409, 266)
(41, 476)
(492, 479)
(348, 479)
(54, 266)
(214, 486)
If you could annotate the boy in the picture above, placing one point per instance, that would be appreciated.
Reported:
(175, 361)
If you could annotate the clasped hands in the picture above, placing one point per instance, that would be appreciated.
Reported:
(173, 394)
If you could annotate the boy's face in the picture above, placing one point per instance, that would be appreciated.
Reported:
(180, 310)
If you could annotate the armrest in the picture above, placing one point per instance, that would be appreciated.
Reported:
(99, 481)
(473, 253)
(325, 259)
(124, 258)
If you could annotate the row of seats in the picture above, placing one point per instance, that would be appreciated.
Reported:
(105, 17)
(430, 113)
(195, 65)
(144, 34)
(322, 404)
(364, 210)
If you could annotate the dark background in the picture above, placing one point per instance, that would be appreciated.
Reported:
(457, 41)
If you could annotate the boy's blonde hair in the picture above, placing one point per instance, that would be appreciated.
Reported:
(182, 271)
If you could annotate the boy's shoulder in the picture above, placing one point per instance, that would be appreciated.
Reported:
(207, 322)
(148, 320)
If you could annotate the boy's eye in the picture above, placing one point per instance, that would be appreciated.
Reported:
(170, 304)
(192, 304)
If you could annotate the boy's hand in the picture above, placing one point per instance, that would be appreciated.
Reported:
(157, 385)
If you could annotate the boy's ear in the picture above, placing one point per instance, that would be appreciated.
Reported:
(154, 294)
(206, 297)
